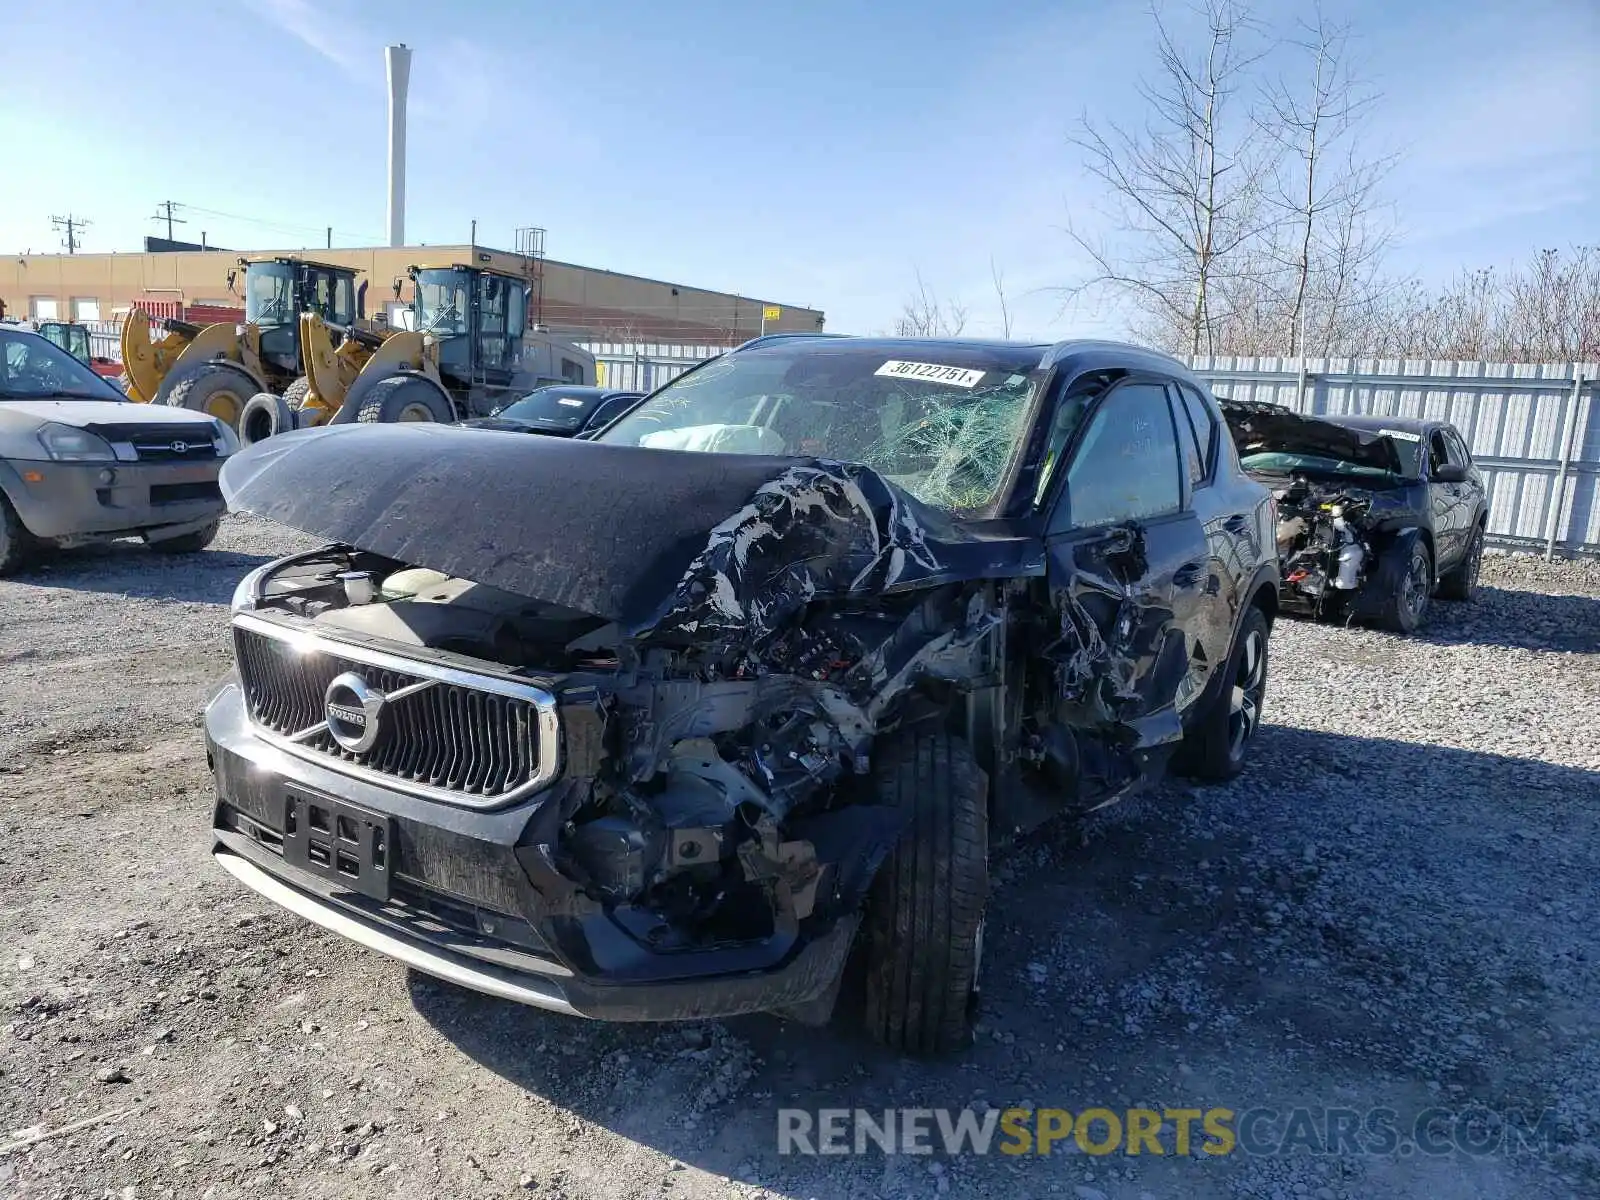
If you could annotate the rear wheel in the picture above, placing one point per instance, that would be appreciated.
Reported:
(1405, 606)
(1215, 747)
(188, 543)
(1462, 583)
(404, 398)
(265, 416)
(924, 919)
(215, 389)
(15, 542)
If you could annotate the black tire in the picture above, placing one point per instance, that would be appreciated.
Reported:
(295, 394)
(1408, 588)
(402, 398)
(1217, 744)
(1462, 582)
(924, 920)
(16, 543)
(216, 389)
(188, 543)
(265, 416)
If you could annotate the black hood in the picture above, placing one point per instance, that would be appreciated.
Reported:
(1259, 428)
(659, 541)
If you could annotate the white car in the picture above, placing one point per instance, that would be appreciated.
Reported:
(80, 462)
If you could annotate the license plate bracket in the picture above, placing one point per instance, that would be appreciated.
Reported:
(346, 844)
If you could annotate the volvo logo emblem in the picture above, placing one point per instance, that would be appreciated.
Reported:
(352, 710)
(179, 447)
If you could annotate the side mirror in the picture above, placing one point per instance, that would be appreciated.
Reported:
(1450, 473)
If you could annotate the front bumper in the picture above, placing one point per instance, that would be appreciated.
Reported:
(475, 901)
(90, 501)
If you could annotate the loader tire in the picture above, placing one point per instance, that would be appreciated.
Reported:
(404, 398)
(924, 919)
(295, 394)
(215, 389)
(265, 416)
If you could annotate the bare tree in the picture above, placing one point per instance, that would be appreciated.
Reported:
(924, 314)
(1187, 187)
(1000, 294)
(1328, 223)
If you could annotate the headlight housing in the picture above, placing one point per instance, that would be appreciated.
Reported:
(63, 443)
(226, 439)
(244, 596)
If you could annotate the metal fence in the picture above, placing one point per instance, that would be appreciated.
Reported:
(644, 366)
(1533, 428)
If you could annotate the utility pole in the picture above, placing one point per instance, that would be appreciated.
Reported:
(168, 217)
(73, 225)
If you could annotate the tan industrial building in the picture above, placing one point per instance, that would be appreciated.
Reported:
(580, 303)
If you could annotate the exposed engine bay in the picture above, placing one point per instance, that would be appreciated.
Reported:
(1324, 542)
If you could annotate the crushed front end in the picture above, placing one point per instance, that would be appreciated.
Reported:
(648, 812)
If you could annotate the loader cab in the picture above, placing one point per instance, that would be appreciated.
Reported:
(278, 290)
(478, 318)
(72, 338)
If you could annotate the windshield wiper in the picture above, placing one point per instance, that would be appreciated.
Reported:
(54, 394)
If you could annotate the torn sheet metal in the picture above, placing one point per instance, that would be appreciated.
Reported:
(1121, 657)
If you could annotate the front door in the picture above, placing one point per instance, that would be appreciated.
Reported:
(1127, 570)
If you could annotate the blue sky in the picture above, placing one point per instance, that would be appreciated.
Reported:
(818, 154)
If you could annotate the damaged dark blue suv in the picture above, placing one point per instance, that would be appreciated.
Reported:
(663, 725)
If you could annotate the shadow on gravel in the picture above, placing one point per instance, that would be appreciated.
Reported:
(133, 569)
(1511, 618)
(1316, 932)
(1518, 619)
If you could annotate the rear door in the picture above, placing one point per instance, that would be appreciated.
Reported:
(1448, 502)
(1126, 566)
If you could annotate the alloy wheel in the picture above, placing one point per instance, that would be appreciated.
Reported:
(1249, 685)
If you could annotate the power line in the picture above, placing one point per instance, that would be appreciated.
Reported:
(72, 225)
(168, 217)
(278, 225)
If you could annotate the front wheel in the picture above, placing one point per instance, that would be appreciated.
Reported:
(1405, 606)
(15, 542)
(1215, 747)
(404, 398)
(924, 920)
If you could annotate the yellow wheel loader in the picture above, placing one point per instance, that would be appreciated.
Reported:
(467, 353)
(216, 369)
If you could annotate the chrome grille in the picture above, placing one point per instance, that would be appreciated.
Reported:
(160, 443)
(468, 739)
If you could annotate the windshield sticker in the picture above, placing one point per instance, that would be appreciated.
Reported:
(568, 402)
(961, 377)
(1401, 435)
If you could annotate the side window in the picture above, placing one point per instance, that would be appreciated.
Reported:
(1458, 448)
(1438, 455)
(1126, 467)
(1068, 416)
(1205, 425)
(1187, 445)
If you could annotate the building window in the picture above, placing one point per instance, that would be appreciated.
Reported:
(42, 308)
(85, 308)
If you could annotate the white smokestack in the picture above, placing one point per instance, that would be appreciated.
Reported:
(398, 61)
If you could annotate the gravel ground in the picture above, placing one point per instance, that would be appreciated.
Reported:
(1394, 907)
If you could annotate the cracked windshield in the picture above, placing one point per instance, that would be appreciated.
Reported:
(943, 428)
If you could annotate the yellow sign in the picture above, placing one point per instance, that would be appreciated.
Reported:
(600, 374)
(771, 312)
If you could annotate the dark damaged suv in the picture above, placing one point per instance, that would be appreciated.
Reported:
(661, 725)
